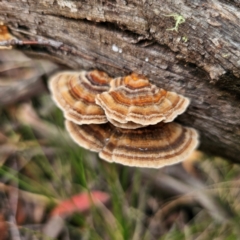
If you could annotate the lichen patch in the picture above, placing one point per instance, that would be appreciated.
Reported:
(64, 3)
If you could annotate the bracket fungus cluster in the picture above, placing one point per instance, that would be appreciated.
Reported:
(126, 120)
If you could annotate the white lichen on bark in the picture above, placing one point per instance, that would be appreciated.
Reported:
(65, 3)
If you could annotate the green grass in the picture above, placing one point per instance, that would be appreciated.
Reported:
(70, 170)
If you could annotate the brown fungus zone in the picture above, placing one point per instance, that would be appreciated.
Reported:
(152, 147)
(89, 136)
(75, 92)
(133, 102)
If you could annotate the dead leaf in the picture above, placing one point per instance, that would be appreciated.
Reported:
(80, 203)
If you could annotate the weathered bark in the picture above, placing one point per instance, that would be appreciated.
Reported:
(201, 60)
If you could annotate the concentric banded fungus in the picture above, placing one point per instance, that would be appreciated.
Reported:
(133, 99)
(152, 146)
(92, 136)
(75, 92)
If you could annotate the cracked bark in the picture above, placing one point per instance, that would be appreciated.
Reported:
(201, 60)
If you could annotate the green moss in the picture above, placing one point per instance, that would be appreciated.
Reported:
(184, 39)
(179, 20)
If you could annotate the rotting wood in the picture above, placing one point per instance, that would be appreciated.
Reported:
(201, 60)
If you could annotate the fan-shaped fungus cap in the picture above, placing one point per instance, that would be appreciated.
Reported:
(75, 92)
(133, 99)
(89, 136)
(153, 146)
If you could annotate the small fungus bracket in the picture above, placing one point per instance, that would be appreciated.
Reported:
(179, 20)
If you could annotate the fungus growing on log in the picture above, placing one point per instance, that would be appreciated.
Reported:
(152, 146)
(134, 102)
(75, 92)
(140, 131)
